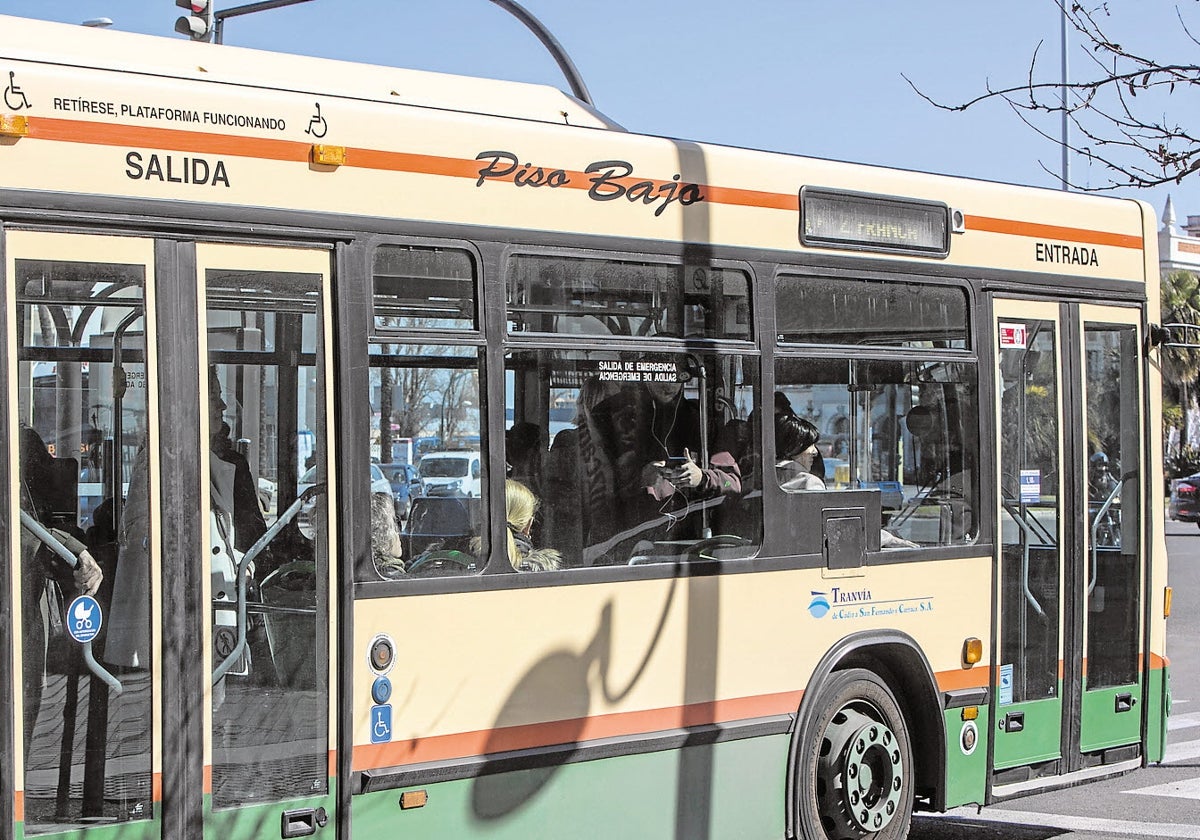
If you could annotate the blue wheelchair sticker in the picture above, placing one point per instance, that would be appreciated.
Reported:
(381, 724)
(84, 619)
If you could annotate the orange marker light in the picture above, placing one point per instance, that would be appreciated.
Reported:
(328, 155)
(413, 799)
(1167, 602)
(14, 125)
(972, 651)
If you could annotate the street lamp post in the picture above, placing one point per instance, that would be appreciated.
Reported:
(1066, 123)
(237, 11)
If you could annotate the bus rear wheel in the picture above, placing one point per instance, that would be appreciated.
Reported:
(855, 773)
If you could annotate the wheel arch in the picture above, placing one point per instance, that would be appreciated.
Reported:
(898, 660)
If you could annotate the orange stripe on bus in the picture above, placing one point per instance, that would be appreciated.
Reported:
(199, 142)
(620, 724)
(575, 730)
(173, 139)
(208, 779)
(1031, 229)
(964, 678)
(19, 806)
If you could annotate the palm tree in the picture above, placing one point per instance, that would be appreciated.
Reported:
(1180, 297)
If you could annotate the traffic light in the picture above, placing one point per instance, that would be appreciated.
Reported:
(199, 24)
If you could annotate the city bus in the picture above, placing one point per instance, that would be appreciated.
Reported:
(811, 494)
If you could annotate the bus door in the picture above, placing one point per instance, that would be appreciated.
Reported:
(82, 425)
(1110, 576)
(270, 740)
(1067, 680)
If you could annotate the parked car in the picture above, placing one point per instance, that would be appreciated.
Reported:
(451, 473)
(379, 486)
(1185, 499)
(403, 480)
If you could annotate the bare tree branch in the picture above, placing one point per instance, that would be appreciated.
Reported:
(1113, 108)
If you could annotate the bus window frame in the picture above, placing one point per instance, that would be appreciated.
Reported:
(495, 572)
(978, 333)
(754, 290)
(374, 244)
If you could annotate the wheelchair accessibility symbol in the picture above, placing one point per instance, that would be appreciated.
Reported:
(381, 724)
(14, 97)
(317, 126)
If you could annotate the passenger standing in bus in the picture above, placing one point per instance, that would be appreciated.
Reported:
(675, 430)
(43, 574)
(233, 485)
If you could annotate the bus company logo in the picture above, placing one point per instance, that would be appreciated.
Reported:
(819, 605)
(823, 602)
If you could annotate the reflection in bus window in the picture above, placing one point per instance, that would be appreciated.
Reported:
(1030, 441)
(839, 310)
(573, 296)
(1114, 467)
(426, 408)
(82, 401)
(266, 425)
(904, 428)
(424, 288)
(636, 457)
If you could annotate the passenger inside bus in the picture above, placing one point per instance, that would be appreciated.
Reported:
(521, 507)
(233, 485)
(796, 440)
(796, 443)
(632, 471)
(387, 549)
(524, 445)
(46, 493)
(675, 428)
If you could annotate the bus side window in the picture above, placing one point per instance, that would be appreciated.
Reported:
(645, 456)
(904, 429)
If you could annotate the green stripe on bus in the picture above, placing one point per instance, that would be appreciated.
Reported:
(966, 774)
(731, 789)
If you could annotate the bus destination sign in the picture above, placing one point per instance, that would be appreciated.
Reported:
(874, 223)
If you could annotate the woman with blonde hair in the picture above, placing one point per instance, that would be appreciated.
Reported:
(520, 507)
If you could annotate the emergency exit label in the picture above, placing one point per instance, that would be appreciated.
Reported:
(1012, 336)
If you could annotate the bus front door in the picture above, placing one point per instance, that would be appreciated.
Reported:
(1067, 680)
(270, 754)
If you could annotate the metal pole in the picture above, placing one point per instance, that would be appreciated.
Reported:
(237, 11)
(1066, 123)
(578, 88)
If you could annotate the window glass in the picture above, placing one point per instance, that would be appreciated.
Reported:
(831, 310)
(1030, 440)
(904, 428)
(573, 296)
(630, 458)
(1114, 445)
(427, 513)
(267, 463)
(420, 287)
(84, 481)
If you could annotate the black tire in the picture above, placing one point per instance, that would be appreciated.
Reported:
(855, 772)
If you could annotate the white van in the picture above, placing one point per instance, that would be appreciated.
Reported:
(451, 473)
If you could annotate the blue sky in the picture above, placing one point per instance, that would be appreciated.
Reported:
(797, 76)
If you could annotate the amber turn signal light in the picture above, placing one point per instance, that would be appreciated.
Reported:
(972, 651)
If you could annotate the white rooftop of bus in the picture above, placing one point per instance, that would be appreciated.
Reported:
(108, 49)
